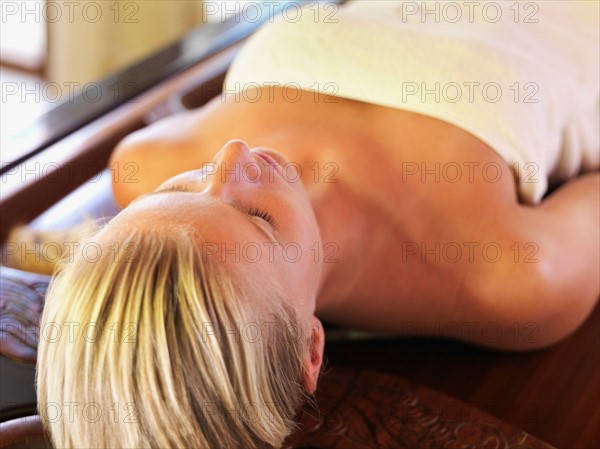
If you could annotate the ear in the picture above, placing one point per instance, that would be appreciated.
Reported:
(314, 356)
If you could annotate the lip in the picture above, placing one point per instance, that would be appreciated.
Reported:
(269, 160)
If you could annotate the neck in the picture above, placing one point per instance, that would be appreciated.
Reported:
(343, 225)
(324, 140)
(344, 215)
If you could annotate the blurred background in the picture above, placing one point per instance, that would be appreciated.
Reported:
(49, 50)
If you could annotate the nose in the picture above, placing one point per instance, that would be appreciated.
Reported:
(236, 168)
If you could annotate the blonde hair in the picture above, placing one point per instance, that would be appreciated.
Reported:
(144, 342)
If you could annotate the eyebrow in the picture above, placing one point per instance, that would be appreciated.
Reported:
(233, 206)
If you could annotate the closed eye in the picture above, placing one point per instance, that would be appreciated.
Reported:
(264, 215)
(252, 211)
(175, 187)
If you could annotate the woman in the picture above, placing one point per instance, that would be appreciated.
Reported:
(365, 205)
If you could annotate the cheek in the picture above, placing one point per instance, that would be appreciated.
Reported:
(303, 257)
(300, 235)
(298, 260)
(307, 235)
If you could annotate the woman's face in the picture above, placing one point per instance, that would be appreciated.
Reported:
(249, 215)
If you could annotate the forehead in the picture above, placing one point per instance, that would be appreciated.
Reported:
(220, 230)
(210, 217)
(224, 235)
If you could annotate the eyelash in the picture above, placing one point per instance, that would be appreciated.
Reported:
(176, 187)
(253, 211)
(264, 215)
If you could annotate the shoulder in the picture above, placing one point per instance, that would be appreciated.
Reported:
(148, 157)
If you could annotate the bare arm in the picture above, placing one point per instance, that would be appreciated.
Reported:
(559, 289)
(571, 219)
(573, 213)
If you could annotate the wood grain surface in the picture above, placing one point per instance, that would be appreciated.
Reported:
(550, 394)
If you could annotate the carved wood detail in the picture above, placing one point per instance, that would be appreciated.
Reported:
(366, 409)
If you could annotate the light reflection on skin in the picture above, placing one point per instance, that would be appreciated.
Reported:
(218, 204)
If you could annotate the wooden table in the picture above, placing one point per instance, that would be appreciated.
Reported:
(550, 394)
(553, 394)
